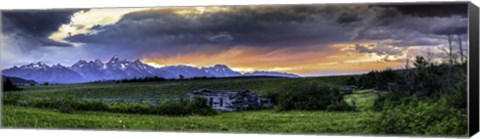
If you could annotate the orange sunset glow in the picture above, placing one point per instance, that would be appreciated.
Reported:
(336, 59)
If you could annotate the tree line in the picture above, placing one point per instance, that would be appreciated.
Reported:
(426, 97)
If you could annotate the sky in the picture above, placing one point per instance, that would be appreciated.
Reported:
(309, 40)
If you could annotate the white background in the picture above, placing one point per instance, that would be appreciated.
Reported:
(90, 134)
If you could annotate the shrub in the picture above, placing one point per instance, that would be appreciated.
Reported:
(312, 96)
(273, 95)
(457, 97)
(393, 98)
(421, 117)
(197, 106)
(91, 105)
(173, 108)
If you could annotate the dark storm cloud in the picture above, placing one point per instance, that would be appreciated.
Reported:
(454, 30)
(221, 37)
(36, 23)
(34, 27)
(51, 43)
(431, 9)
(414, 42)
(348, 18)
(272, 27)
(390, 23)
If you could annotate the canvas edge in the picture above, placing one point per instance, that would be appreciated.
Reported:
(1, 79)
(473, 92)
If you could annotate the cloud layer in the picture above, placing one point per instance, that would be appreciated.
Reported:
(288, 37)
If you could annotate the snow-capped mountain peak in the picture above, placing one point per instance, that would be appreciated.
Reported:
(80, 63)
(98, 61)
(38, 65)
(42, 72)
(137, 61)
(57, 65)
(114, 59)
(114, 69)
(41, 63)
(220, 70)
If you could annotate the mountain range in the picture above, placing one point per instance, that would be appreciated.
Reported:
(116, 69)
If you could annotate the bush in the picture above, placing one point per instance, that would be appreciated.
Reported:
(421, 117)
(273, 95)
(457, 97)
(393, 98)
(197, 106)
(91, 105)
(312, 96)
(172, 108)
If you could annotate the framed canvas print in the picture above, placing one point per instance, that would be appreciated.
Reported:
(382, 69)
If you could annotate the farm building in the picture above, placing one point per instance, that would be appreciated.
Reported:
(232, 101)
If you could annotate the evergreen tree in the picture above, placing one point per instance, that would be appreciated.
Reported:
(351, 81)
(9, 86)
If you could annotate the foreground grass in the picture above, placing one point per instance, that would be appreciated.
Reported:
(265, 121)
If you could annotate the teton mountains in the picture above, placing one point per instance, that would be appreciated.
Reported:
(116, 69)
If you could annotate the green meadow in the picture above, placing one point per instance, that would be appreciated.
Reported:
(133, 106)
(261, 121)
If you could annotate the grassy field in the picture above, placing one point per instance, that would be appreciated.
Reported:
(261, 121)
(362, 99)
(264, 121)
(164, 89)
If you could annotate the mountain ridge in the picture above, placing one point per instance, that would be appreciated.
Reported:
(17, 80)
(116, 69)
